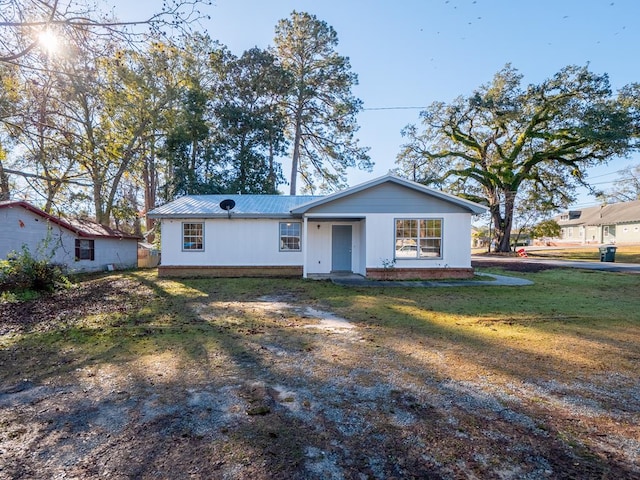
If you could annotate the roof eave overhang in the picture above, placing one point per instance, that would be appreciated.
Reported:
(222, 216)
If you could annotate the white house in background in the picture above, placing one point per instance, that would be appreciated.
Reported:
(612, 223)
(83, 245)
(387, 227)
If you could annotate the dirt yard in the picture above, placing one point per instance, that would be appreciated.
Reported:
(276, 387)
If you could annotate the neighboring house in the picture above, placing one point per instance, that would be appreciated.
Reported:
(83, 245)
(386, 227)
(613, 223)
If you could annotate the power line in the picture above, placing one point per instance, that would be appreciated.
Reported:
(606, 174)
(395, 108)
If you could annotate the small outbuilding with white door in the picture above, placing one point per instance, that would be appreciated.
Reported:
(385, 228)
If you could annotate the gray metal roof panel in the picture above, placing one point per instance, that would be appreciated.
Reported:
(245, 206)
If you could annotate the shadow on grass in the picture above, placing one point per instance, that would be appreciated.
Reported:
(205, 387)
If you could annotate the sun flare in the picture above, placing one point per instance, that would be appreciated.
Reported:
(49, 42)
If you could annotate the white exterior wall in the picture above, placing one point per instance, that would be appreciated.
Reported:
(48, 240)
(628, 233)
(228, 242)
(374, 243)
(119, 252)
(596, 234)
(319, 246)
(456, 248)
(255, 242)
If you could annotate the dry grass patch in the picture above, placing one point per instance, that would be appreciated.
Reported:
(591, 253)
(134, 376)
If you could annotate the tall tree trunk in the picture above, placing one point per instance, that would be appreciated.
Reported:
(295, 160)
(271, 176)
(150, 179)
(5, 192)
(503, 223)
(98, 204)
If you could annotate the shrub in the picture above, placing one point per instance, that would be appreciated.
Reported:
(21, 271)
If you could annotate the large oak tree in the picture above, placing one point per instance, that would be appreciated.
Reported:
(507, 138)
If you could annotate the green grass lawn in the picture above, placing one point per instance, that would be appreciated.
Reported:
(584, 309)
(624, 253)
(591, 253)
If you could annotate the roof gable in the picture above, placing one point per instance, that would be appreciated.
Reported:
(390, 194)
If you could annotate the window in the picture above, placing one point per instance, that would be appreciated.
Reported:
(290, 237)
(85, 249)
(419, 238)
(606, 230)
(192, 237)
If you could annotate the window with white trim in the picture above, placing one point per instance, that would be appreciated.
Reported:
(290, 236)
(418, 238)
(193, 237)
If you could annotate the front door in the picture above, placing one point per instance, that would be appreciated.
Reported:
(341, 248)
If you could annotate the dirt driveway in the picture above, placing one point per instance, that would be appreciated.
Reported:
(276, 387)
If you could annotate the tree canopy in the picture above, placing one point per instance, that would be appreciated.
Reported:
(115, 126)
(320, 107)
(506, 140)
(26, 24)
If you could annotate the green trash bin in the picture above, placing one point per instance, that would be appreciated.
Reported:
(608, 253)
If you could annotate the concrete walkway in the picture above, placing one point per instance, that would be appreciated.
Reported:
(491, 280)
(601, 266)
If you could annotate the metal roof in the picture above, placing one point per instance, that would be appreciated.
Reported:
(252, 206)
(249, 206)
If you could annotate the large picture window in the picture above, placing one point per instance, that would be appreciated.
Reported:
(85, 249)
(419, 238)
(290, 236)
(192, 237)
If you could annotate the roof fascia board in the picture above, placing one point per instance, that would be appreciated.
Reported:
(223, 216)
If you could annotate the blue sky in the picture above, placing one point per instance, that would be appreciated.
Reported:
(410, 53)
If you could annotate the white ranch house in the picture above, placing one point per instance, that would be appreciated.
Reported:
(82, 245)
(387, 227)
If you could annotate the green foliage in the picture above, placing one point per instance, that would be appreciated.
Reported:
(546, 228)
(251, 122)
(320, 108)
(22, 272)
(505, 140)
